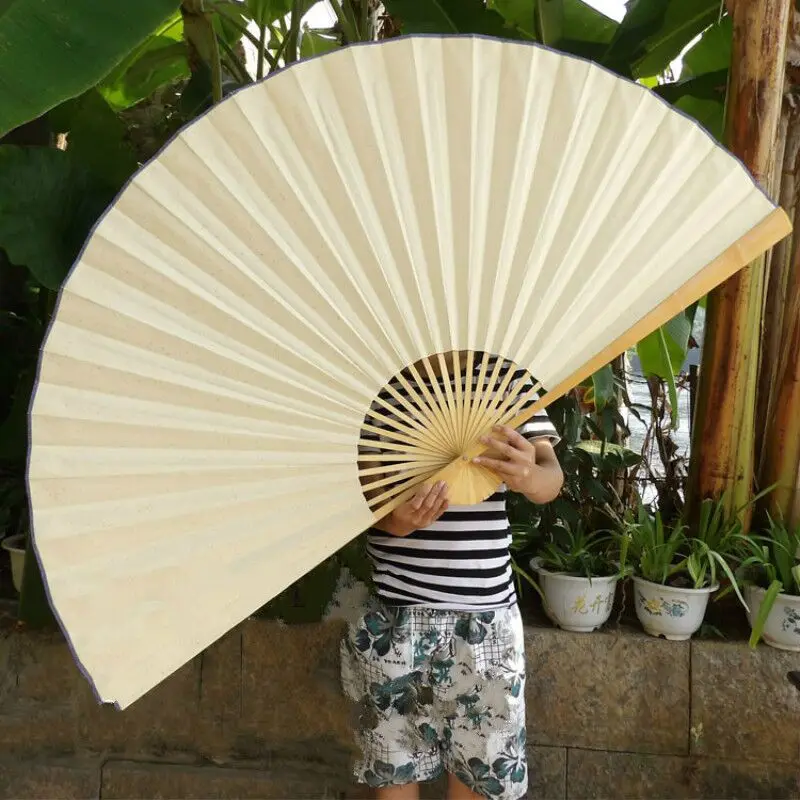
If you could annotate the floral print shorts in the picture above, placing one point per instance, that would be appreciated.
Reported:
(439, 691)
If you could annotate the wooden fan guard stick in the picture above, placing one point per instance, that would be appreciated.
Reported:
(758, 240)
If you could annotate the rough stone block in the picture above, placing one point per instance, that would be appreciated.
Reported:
(612, 691)
(24, 780)
(595, 774)
(38, 694)
(124, 780)
(164, 720)
(290, 683)
(746, 780)
(547, 769)
(743, 705)
(221, 688)
(599, 774)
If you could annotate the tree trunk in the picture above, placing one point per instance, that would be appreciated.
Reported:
(724, 435)
(779, 263)
(780, 453)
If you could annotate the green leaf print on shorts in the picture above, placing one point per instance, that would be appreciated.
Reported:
(511, 761)
(405, 695)
(473, 628)
(478, 777)
(387, 774)
(383, 630)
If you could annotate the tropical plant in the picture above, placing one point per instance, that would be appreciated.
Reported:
(683, 556)
(713, 545)
(769, 561)
(596, 470)
(655, 551)
(53, 51)
(577, 551)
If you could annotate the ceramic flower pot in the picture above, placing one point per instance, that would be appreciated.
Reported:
(15, 546)
(782, 628)
(575, 604)
(668, 611)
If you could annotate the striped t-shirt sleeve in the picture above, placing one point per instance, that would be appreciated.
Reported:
(540, 426)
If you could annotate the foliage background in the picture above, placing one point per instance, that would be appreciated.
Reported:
(91, 90)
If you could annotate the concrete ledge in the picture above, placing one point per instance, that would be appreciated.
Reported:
(261, 714)
(126, 780)
(593, 774)
(608, 691)
(547, 773)
(290, 681)
(743, 705)
(25, 780)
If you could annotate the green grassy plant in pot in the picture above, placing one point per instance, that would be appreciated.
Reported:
(771, 573)
(675, 570)
(577, 577)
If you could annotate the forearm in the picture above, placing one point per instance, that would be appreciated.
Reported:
(393, 527)
(387, 524)
(546, 478)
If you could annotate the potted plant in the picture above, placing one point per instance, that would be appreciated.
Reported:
(771, 574)
(675, 572)
(15, 546)
(578, 574)
(13, 516)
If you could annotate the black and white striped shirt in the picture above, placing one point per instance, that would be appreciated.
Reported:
(461, 561)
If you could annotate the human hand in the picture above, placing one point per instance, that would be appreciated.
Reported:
(422, 510)
(517, 465)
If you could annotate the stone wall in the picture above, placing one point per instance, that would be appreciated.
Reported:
(260, 715)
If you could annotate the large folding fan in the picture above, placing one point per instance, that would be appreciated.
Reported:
(219, 348)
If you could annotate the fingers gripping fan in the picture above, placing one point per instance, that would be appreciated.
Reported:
(220, 350)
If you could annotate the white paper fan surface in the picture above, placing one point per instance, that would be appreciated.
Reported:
(205, 382)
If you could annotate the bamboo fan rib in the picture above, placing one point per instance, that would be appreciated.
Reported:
(218, 353)
(427, 418)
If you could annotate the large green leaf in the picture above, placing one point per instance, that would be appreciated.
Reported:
(663, 353)
(449, 16)
(682, 21)
(265, 12)
(676, 334)
(581, 24)
(158, 60)
(709, 113)
(48, 204)
(51, 50)
(654, 32)
(701, 97)
(550, 21)
(315, 42)
(712, 53)
(710, 86)
(604, 387)
(518, 14)
(96, 138)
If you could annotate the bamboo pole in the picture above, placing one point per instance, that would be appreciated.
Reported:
(724, 430)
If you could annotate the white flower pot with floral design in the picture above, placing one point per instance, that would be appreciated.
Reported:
(670, 611)
(573, 603)
(782, 628)
(15, 546)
